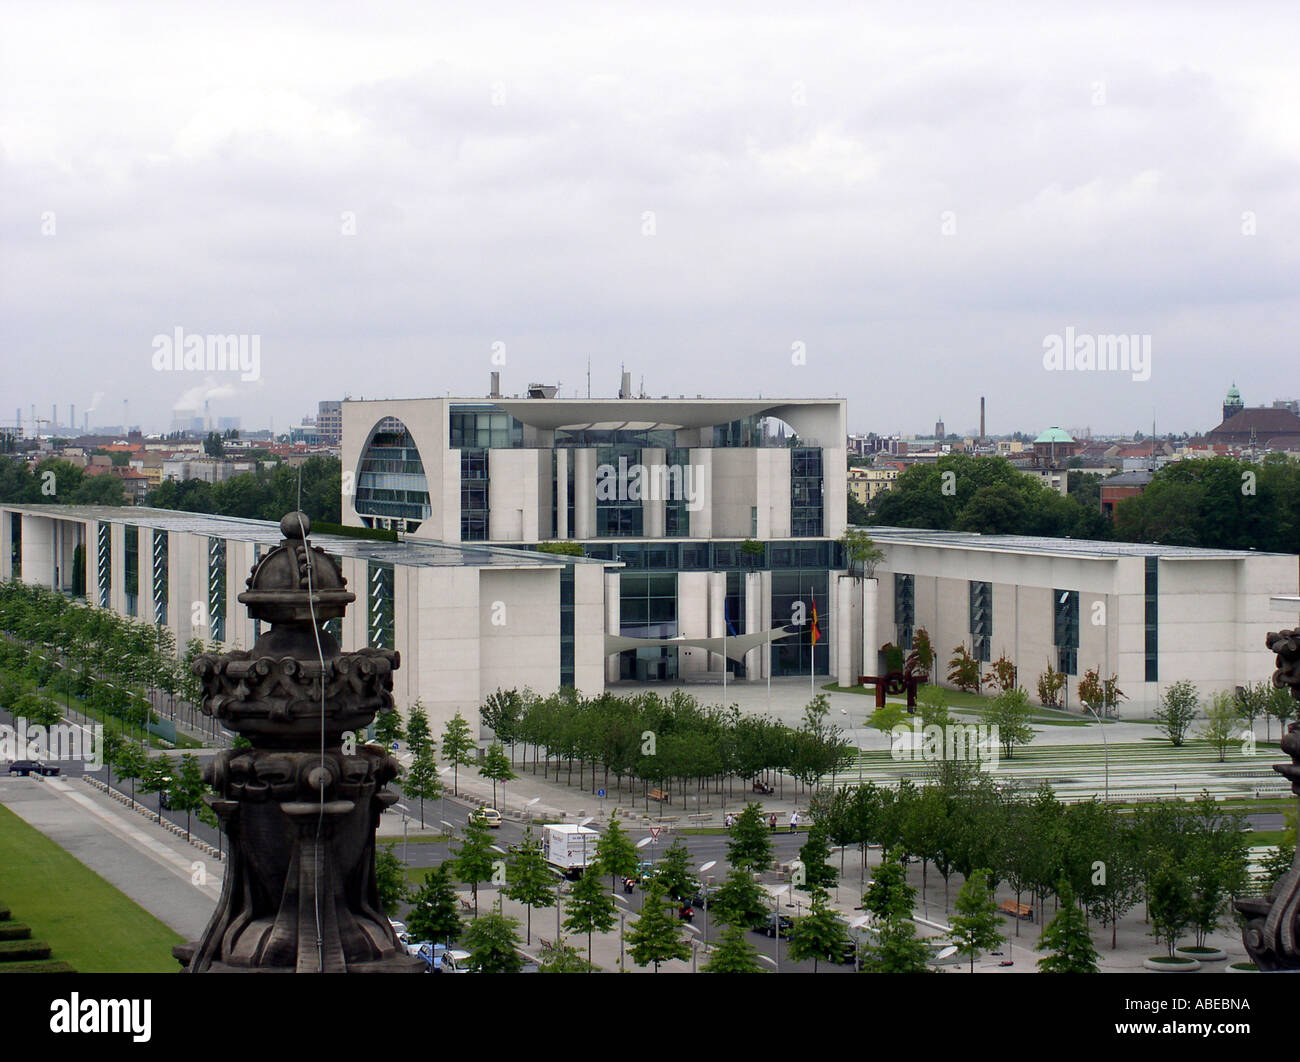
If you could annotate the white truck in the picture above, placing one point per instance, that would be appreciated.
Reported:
(570, 849)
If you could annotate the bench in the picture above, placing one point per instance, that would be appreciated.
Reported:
(660, 795)
(1016, 910)
(465, 905)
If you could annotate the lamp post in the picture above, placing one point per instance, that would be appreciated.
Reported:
(704, 894)
(1106, 746)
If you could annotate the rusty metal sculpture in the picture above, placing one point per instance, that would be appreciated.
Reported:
(300, 807)
(1272, 923)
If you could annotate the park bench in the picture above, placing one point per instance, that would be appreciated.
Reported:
(1016, 910)
(465, 905)
(660, 795)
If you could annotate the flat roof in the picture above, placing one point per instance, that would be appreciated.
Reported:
(1087, 549)
(418, 553)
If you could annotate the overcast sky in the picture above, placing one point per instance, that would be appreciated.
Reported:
(918, 194)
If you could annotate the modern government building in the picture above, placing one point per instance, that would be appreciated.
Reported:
(549, 542)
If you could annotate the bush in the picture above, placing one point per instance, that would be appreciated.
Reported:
(15, 931)
(18, 950)
(45, 966)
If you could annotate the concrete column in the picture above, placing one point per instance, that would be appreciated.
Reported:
(613, 599)
(654, 487)
(765, 610)
(844, 631)
(692, 619)
(584, 493)
(754, 623)
(38, 550)
(717, 616)
(870, 631)
(702, 519)
(561, 492)
(6, 544)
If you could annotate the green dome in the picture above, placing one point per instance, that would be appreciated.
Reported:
(1233, 394)
(1055, 435)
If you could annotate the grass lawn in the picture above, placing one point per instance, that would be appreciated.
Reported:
(85, 920)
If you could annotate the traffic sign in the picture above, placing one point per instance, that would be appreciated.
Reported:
(654, 831)
(600, 793)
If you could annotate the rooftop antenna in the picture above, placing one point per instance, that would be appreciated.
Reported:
(588, 375)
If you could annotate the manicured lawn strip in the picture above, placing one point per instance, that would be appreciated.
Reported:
(85, 920)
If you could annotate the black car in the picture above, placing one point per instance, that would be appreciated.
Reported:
(25, 767)
(768, 928)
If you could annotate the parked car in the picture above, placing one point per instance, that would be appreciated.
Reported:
(23, 768)
(489, 817)
(768, 927)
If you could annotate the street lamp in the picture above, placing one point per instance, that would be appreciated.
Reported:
(776, 925)
(704, 894)
(1106, 745)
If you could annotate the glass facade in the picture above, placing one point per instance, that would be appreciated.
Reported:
(648, 609)
(677, 517)
(160, 576)
(104, 564)
(474, 495)
(379, 602)
(981, 620)
(483, 427)
(566, 627)
(806, 492)
(1066, 630)
(904, 610)
(391, 484)
(131, 569)
(1152, 619)
(217, 588)
(794, 593)
(617, 515)
(718, 555)
(16, 545)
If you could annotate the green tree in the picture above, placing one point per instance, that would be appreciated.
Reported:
(390, 879)
(1010, 712)
(1178, 707)
(562, 958)
(496, 765)
(590, 908)
(733, 953)
(673, 873)
(420, 781)
(474, 858)
(1169, 903)
(819, 934)
(739, 901)
(388, 728)
(458, 746)
(656, 935)
(750, 847)
(814, 855)
(862, 553)
(189, 787)
(158, 777)
(529, 879)
(418, 735)
(616, 852)
(493, 944)
(1066, 939)
(887, 718)
(1223, 724)
(964, 670)
(435, 909)
(130, 764)
(975, 925)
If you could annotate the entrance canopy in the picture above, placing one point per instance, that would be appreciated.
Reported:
(734, 648)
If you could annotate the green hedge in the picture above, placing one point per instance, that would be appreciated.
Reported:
(42, 966)
(21, 950)
(15, 931)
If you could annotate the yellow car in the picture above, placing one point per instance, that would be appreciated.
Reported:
(489, 817)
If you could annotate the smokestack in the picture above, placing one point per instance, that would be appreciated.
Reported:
(496, 385)
(54, 417)
(72, 418)
(625, 389)
(981, 418)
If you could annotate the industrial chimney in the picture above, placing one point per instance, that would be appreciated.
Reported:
(981, 418)
(625, 389)
(496, 386)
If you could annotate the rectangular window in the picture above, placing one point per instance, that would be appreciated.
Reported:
(1066, 630)
(474, 495)
(380, 602)
(217, 588)
(104, 564)
(566, 626)
(1152, 625)
(160, 576)
(806, 492)
(16, 546)
(981, 620)
(619, 515)
(794, 593)
(904, 609)
(131, 569)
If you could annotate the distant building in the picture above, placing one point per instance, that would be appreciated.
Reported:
(329, 423)
(1125, 485)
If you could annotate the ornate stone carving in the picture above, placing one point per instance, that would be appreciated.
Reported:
(1273, 922)
(299, 809)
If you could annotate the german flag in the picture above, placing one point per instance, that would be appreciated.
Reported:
(816, 630)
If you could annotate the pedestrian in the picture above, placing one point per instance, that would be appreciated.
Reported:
(772, 822)
(794, 821)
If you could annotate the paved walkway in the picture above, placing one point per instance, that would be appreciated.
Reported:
(162, 873)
